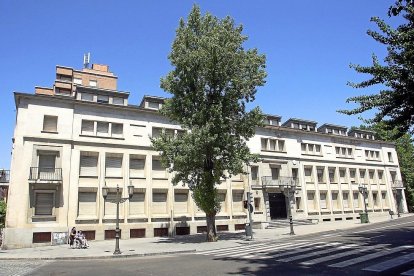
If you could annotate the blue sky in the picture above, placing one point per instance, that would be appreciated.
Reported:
(309, 46)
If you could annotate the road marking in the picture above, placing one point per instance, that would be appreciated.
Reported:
(284, 248)
(262, 250)
(408, 273)
(370, 256)
(380, 267)
(228, 249)
(246, 251)
(340, 255)
(326, 251)
(298, 249)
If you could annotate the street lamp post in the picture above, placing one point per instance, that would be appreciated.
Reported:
(117, 200)
(362, 188)
(289, 188)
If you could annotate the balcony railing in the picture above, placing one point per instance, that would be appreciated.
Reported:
(53, 174)
(271, 181)
(4, 176)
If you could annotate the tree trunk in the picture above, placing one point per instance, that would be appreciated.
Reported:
(211, 228)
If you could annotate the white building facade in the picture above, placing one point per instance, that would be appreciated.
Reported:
(73, 139)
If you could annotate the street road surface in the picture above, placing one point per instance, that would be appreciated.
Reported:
(380, 249)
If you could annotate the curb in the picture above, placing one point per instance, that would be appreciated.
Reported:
(69, 258)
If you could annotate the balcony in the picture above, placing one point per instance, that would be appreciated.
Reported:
(4, 176)
(270, 181)
(45, 174)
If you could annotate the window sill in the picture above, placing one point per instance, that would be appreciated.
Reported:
(104, 137)
(88, 176)
(137, 177)
(344, 157)
(46, 218)
(50, 132)
(373, 160)
(274, 151)
(311, 154)
(160, 178)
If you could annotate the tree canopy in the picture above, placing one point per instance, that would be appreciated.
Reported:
(212, 81)
(394, 101)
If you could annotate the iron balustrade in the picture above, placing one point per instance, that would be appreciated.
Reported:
(39, 173)
(270, 181)
(4, 176)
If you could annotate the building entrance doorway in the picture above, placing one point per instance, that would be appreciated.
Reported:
(277, 205)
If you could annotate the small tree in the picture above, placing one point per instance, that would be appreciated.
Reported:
(2, 213)
(213, 79)
(394, 101)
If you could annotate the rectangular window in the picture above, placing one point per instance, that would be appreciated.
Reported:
(137, 204)
(384, 199)
(311, 200)
(158, 171)
(87, 204)
(88, 127)
(222, 200)
(264, 144)
(332, 178)
(77, 81)
(356, 199)
(275, 173)
(88, 164)
(153, 105)
(103, 99)
(50, 123)
(117, 130)
(345, 200)
(335, 201)
(110, 208)
(180, 202)
(159, 202)
(47, 164)
(281, 145)
(375, 199)
(87, 97)
(102, 129)
(93, 83)
(321, 177)
(390, 157)
(255, 173)
(308, 175)
(362, 175)
(156, 132)
(238, 201)
(44, 203)
(342, 175)
(298, 201)
(113, 166)
(381, 177)
(257, 203)
(323, 200)
(137, 166)
(118, 101)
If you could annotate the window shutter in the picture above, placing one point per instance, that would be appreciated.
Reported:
(181, 203)
(113, 166)
(136, 167)
(137, 204)
(44, 204)
(87, 204)
(87, 97)
(88, 166)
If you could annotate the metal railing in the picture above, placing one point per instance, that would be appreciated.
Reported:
(37, 173)
(279, 181)
(4, 176)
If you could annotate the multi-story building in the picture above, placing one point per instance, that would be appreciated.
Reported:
(82, 134)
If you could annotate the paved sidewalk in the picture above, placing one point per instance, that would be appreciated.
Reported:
(176, 245)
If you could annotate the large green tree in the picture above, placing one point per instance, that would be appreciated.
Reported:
(395, 76)
(2, 213)
(212, 80)
(405, 151)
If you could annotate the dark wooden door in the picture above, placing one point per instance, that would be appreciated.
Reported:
(277, 204)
